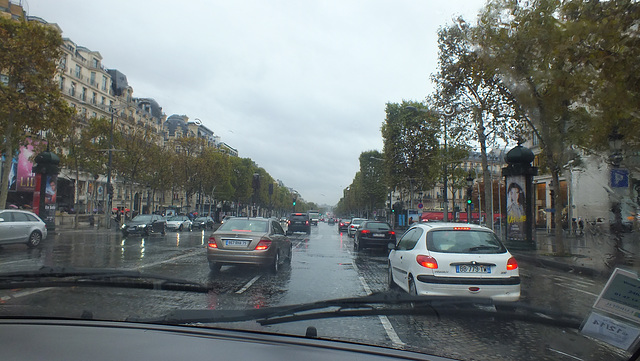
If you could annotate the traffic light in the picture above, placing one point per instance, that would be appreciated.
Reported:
(294, 201)
(469, 201)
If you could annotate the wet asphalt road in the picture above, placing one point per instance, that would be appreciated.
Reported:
(324, 266)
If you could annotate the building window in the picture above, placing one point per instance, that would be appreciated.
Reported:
(72, 91)
(92, 81)
(63, 62)
(95, 115)
(61, 83)
(103, 100)
(83, 96)
(93, 98)
(534, 139)
(104, 82)
(78, 71)
(95, 63)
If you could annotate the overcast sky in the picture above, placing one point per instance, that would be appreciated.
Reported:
(298, 86)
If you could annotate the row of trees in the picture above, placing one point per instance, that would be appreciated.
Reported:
(564, 72)
(31, 104)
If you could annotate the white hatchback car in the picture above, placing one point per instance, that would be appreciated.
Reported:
(17, 226)
(453, 259)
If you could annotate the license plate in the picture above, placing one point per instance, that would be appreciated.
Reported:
(471, 268)
(379, 235)
(232, 242)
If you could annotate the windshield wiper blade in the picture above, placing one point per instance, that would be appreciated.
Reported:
(96, 277)
(384, 303)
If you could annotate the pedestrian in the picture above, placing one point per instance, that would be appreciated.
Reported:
(410, 220)
(574, 226)
(581, 226)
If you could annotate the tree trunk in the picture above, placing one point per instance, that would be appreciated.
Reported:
(8, 159)
(486, 176)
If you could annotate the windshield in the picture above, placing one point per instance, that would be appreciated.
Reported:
(142, 218)
(481, 150)
(244, 225)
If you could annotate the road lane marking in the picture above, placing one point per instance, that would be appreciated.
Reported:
(246, 287)
(585, 283)
(576, 289)
(38, 290)
(24, 293)
(386, 324)
(188, 254)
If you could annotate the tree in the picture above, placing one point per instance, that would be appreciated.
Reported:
(410, 145)
(30, 99)
(484, 111)
(530, 46)
(373, 185)
(81, 149)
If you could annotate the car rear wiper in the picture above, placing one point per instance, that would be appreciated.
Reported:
(384, 303)
(96, 277)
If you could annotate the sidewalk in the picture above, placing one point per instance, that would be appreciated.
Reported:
(589, 255)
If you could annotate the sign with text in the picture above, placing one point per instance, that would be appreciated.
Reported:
(621, 295)
(611, 331)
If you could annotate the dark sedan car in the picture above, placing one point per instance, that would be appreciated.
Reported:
(343, 225)
(249, 241)
(373, 234)
(145, 224)
(203, 223)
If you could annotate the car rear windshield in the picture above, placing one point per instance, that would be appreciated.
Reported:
(245, 225)
(464, 241)
(357, 221)
(298, 217)
(142, 218)
(376, 226)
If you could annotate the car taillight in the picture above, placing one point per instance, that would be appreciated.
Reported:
(306, 223)
(365, 231)
(263, 244)
(289, 222)
(512, 264)
(392, 233)
(212, 242)
(427, 261)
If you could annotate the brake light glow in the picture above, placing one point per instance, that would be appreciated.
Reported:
(393, 233)
(212, 242)
(289, 222)
(461, 228)
(365, 231)
(427, 261)
(512, 264)
(306, 223)
(263, 244)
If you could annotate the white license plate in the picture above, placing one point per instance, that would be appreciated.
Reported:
(471, 268)
(379, 235)
(232, 242)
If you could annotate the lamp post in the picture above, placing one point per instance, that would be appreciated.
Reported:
(615, 146)
(469, 193)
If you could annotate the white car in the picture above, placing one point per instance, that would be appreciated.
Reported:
(17, 226)
(453, 259)
(353, 226)
(179, 223)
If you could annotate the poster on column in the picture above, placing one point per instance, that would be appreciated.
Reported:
(516, 216)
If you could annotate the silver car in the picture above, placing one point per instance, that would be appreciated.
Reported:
(17, 226)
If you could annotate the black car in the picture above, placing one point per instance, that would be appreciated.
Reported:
(331, 221)
(373, 234)
(145, 224)
(299, 222)
(343, 225)
(203, 223)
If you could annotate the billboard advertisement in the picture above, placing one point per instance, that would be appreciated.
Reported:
(516, 216)
(26, 181)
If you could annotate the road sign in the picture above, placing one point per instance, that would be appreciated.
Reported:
(619, 178)
(420, 205)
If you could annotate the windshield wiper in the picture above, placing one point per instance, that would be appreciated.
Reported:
(384, 303)
(92, 277)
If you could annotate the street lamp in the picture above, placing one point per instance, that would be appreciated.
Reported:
(469, 194)
(615, 146)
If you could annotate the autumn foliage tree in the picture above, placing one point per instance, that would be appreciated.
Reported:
(30, 99)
